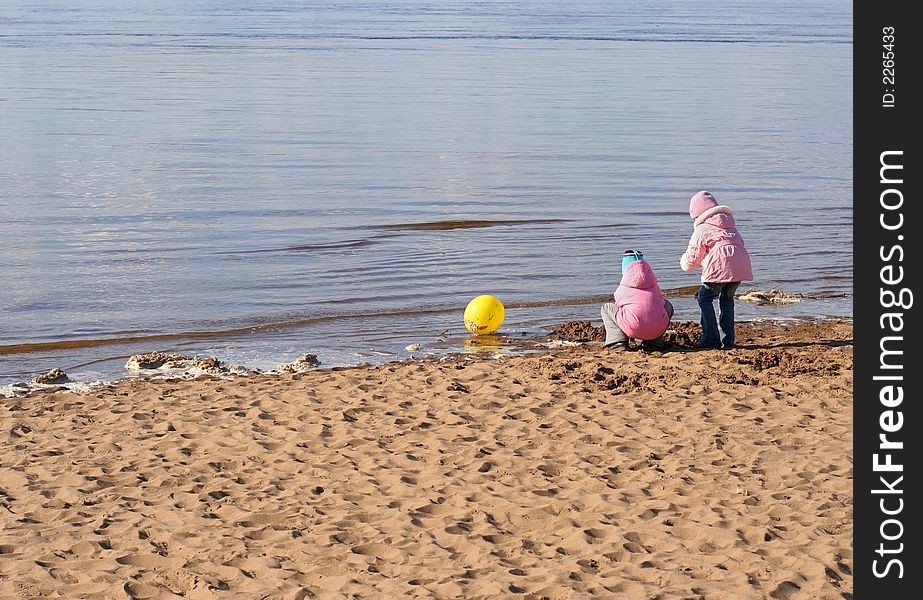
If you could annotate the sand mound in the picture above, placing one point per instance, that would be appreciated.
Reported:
(579, 331)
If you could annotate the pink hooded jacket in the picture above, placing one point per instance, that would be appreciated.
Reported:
(640, 310)
(715, 245)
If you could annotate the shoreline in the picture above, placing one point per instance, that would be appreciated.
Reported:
(569, 473)
(762, 297)
(504, 346)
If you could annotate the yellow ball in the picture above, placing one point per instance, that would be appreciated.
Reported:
(484, 315)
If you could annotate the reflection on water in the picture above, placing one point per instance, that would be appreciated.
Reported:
(253, 173)
(485, 344)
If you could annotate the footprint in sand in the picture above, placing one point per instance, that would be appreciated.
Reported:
(270, 519)
(785, 591)
(377, 550)
(150, 561)
(140, 591)
(82, 549)
(433, 510)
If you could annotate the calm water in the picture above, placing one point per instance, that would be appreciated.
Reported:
(217, 166)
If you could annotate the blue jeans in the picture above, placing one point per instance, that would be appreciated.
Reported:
(706, 295)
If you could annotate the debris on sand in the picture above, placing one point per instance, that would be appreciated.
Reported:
(156, 360)
(52, 376)
(189, 366)
(302, 363)
(562, 344)
(772, 296)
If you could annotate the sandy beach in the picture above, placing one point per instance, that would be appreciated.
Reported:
(570, 473)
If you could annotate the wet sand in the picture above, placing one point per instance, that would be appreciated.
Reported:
(572, 473)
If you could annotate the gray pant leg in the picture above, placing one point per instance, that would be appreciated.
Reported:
(613, 333)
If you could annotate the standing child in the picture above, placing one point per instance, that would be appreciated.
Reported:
(716, 247)
(639, 309)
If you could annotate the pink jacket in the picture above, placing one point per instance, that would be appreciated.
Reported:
(717, 247)
(640, 310)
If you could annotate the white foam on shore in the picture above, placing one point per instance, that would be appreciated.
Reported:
(23, 388)
(561, 343)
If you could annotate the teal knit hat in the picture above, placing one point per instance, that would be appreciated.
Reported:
(630, 256)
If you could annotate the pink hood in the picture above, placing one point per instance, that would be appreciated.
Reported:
(717, 247)
(701, 202)
(640, 313)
